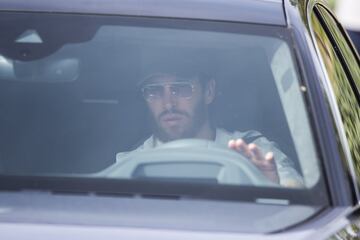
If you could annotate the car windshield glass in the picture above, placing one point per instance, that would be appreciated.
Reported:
(148, 100)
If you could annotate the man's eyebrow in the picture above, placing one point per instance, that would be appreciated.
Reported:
(153, 84)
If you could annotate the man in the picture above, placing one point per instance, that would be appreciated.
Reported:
(179, 108)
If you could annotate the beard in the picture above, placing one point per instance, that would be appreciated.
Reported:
(189, 130)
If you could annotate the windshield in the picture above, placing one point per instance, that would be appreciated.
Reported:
(131, 99)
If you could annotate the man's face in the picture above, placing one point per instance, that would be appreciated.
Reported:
(178, 106)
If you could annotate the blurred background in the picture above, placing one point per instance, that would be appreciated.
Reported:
(348, 13)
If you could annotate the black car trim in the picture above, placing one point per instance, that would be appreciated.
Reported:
(226, 10)
(154, 188)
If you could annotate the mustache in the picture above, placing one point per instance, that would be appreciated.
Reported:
(173, 111)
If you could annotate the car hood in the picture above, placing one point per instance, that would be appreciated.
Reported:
(156, 214)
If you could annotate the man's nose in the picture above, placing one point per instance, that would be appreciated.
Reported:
(169, 99)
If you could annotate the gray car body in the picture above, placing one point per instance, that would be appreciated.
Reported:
(37, 214)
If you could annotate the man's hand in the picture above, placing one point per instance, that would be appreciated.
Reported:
(265, 163)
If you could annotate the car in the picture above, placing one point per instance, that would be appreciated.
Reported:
(173, 119)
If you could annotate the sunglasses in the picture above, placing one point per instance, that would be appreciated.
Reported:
(156, 91)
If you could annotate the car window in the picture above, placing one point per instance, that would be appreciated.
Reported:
(334, 50)
(143, 99)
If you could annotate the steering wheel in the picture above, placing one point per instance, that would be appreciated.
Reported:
(189, 159)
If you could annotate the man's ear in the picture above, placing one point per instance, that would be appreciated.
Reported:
(209, 93)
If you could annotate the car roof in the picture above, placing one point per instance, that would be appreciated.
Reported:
(251, 11)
